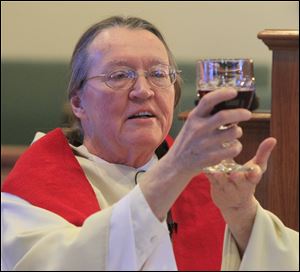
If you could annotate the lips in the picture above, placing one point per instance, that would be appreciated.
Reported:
(141, 114)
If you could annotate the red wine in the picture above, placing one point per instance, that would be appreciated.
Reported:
(242, 100)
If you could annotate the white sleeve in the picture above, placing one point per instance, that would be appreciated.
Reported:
(126, 236)
(36, 239)
(271, 246)
(138, 240)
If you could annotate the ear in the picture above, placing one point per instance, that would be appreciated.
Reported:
(76, 105)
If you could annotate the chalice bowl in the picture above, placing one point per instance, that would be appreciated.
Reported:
(212, 74)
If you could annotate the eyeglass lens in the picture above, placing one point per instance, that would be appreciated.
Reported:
(162, 76)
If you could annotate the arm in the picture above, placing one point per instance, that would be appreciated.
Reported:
(137, 239)
(234, 194)
(125, 236)
(37, 239)
(271, 246)
(199, 144)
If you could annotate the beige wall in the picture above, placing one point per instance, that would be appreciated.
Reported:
(49, 30)
(37, 40)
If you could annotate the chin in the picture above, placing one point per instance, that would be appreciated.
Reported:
(146, 141)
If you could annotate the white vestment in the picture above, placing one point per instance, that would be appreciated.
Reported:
(125, 234)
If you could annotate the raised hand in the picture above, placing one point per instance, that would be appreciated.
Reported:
(234, 193)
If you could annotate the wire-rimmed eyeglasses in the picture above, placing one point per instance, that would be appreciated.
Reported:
(124, 78)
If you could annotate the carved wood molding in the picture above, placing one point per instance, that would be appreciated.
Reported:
(280, 39)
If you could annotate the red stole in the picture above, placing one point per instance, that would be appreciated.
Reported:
(48, 176)
(198, 242)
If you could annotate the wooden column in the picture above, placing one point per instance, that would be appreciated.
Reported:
(283, 183)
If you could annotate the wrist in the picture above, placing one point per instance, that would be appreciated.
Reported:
(161, 186)
(240, 221)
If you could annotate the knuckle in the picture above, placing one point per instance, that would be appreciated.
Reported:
(238, 132)
(233, 133)
(236, 148)
(205, 100)
(221, 116)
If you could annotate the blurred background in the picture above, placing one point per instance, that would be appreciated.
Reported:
(37, 40)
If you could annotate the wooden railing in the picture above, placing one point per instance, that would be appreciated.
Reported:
(283, 185)
(9, 156)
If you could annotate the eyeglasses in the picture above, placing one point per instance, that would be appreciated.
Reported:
(161, 76)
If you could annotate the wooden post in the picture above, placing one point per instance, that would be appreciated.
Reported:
(283, 183)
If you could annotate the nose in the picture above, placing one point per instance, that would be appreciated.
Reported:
(141, 89)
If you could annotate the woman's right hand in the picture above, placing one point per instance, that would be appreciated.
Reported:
(200, 142)
(198, 145)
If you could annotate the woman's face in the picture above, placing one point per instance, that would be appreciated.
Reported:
(112, 128)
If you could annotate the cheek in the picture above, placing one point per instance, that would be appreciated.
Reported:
(95, 107)
(169, 120)
(168, 109)
(103, 110)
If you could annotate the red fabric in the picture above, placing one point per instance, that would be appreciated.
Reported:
(49, 176)
(198, 241)
(169, 141)
(42, 176)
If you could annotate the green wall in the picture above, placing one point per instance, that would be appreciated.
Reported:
(33, 95)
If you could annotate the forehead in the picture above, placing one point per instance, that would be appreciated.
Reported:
(136, 46)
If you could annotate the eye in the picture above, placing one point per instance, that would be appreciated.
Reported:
(118, 76)
(159, 73)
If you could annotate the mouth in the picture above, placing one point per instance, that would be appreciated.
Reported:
(142, 115)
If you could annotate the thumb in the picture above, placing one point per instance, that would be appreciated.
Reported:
(263, 153)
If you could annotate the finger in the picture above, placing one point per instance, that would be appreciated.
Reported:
(254, 175)
(213, 98)
(225, 117)
(215, 154)
(264, 151)
(217, 138)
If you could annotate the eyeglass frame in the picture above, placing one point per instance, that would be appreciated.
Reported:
(136, 74)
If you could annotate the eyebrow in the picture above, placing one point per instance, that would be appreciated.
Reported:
(116, 63)
(129, 63)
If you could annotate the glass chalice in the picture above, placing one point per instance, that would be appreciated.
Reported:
(212, 74)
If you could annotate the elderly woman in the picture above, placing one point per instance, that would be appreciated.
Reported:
(68, 207)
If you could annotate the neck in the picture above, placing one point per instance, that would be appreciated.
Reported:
(133, 157)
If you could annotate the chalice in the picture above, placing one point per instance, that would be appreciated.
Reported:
(212, 74)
